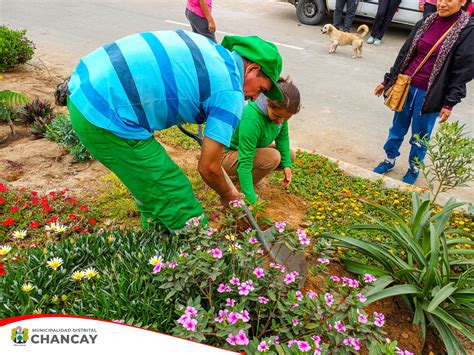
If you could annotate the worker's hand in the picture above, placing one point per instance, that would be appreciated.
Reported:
(379, 90)
(212, 25)
(287, 180)
(444, 115)
(421, 7)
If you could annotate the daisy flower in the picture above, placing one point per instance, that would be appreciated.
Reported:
(21, 234)
(155, 260)
(78, 275)
(5, 249)
(90, 273)
(55, 263)
(27, 287)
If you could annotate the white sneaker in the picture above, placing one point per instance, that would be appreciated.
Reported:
(370, 40)
(377, 42)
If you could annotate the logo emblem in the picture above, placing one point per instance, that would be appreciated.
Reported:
(20, 335)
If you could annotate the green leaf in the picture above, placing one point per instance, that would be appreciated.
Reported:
(362, 269)
(393, 291)
(441, 296)
(453, 346)
(378, 285)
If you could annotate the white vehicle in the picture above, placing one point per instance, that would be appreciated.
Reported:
(312, 12)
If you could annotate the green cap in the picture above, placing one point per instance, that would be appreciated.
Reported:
(261, 52)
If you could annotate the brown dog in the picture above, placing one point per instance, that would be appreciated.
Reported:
(346, 38)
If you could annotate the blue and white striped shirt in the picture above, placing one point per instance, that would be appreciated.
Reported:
(154, 80)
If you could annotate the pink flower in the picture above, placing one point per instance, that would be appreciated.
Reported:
(329, 327)
(263, 346)
(157, 268)
(231, 339)
(335, 278)
(299, 295)
(352, 342)
(222, 288)
(353, 283)
(252, 240)
(244, 289)
(311, 294)
(244, 316)
(369, 278)
(190, 324)
(260, 251)
(242, 338)
(323, 260)
(281, 226)
(222, 316)
(339, 326)
(301, 233)
(233, 317)
(216, 253)
(362, 318)
(183, 318)
(295, 305)
(304, 240)
(210, 231)
(230, 302)
(291, 277)
(304, 346)
(329, 298)
(259, 272)
(191, 311)
(295, 322)
(184, 255)
(399, 351)
(362, 298)
(235, 203)
(173, 264)
(292, 342)
(316, 339)
(379, 322)
(263, 300)
(234, 281)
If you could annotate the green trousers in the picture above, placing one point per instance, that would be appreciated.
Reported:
(162, 192)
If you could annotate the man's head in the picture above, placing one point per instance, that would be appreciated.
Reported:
(262, 65)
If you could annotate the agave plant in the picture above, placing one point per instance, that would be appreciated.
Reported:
(38, 114)
(9, 103)
(435, 279)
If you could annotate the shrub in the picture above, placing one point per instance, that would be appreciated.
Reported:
(9, 103)
(38, 114)
(15, 48)
(435, 278)
(60, 131)
(451, 158)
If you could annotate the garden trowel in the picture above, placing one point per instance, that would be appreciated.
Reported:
(293, 260)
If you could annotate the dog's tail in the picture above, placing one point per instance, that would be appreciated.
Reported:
(364, 29)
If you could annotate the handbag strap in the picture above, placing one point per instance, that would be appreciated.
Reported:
(433, 49)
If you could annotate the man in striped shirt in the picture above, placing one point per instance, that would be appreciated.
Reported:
(125, 90)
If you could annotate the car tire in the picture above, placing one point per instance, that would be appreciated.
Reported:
(310, 12)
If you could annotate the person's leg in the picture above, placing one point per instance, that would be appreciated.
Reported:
(229, 163)
(423, 126)
(429, 9)
(350, 14)
(381, 10)
(266, 160)
(200, 25)
(161, 190)
(392, 7)
(337, 17)
(400, 126)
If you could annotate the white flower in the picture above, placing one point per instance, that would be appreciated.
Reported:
(55, 263)
(155, 260)
(5, 249)
(78, 275)
(20, 234)
(60, 228)
(90, 273)
(27, 287)
(50, 227)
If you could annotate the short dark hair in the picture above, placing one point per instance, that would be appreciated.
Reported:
(291, 96)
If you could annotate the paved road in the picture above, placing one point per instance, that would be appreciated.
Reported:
(340, 116)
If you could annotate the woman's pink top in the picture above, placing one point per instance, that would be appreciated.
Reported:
(194, 7)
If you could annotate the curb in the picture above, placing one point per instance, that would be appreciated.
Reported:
(388, 182)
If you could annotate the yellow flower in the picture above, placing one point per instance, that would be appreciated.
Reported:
(45, 251)
(78, 275)
(20, 234)
(55, 299)
(27, 287)
(230, 237)
(5, 249)
(395, 202)
(55, 263)
(90, 273)
(378, 239)
(110, 238)
(64, 298)
(155, 260)
(234, 247)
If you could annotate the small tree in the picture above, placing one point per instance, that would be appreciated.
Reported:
(451, 155)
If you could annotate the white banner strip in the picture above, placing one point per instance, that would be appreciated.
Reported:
(57, 334)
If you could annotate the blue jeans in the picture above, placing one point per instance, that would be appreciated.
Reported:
(421, 124)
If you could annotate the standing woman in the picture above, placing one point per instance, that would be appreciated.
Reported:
(199, 15)
(384, 16)
(437, 86)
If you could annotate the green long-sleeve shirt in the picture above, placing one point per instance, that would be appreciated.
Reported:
(256, 130)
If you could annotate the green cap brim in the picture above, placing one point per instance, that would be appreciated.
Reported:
(274, 93)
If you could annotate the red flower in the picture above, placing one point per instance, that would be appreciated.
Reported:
(34, 193)
(24, 205)
(8, 222)
(1, 266)
(92, 221)
(76, 228)
(34, 224)
(2, 200)
(2, 272)
(47, 209)
(14, 209)
(35, 200)
(71, 200)
(52, 193)
(52, 220)
(3, 188)
(72, 216)
(84, 208)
